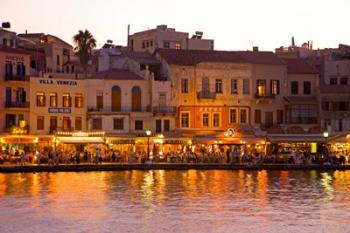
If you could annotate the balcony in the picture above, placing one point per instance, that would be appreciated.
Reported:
(206, 95)
(10, 77)
(123, 109)
(16, 104)
(164, 110)
(264, 96)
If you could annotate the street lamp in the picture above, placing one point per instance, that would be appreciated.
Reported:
(148, 134)
(326, 135)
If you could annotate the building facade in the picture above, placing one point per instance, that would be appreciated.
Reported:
(168, 38)
(14, 85)
(58, 103)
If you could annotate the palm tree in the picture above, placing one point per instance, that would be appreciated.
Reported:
(84, 44)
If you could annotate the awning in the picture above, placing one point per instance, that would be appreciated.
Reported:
(19, 139)
(296, 138)
(80, 140)
(229, 140)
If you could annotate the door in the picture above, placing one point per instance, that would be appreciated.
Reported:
(162, 101)
(136, 99)
(158, 126)
(268, 119)
(116, 99)
(8, 95)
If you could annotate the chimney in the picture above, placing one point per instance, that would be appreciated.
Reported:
(255, 48)
(127, 42)
(26, 31)
(293, 43)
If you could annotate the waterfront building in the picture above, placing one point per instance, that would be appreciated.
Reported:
(14, 86)
(57, 51)
(167, 38)
(58, 103)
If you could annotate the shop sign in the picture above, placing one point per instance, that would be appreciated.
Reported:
(59, 110)
(210, 109)
(14, 58)
(125, 141)
(169, 141)
(230, 132)
(58, 82)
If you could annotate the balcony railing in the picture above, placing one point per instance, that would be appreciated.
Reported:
(122, 109)
(164, 110)
(206, 95)
(9, 77)
(16, 104)
(265, 96)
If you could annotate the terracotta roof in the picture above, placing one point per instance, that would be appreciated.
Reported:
(31, 35)
(116, 74)
(334, 88)
(193, 57)
(13, 50)
(141, 57)
(299, 66)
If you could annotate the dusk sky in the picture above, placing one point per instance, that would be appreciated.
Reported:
(234, 25)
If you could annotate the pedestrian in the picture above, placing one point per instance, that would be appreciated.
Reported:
(23, 158)
(77, 157)
(113, 156)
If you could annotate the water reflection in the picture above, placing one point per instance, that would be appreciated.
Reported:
(175, 201)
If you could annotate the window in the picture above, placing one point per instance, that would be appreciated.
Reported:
(138, 125)
(10, 120)
(40, 123)
(143, 45)
(136, 99)
(78, 123)
(166, 125)
(327, 123)
(158, 126)
(66, 124)
(53, 124)
(243, 116)
(333, 81)
(218, 86)
(294, 88)
(275, 87)
(344, 80)
(118, 123)
(261, 87)
(58, 59)
(40, 99)
(246, 87)
(97, 123)
(8, 70)
(280, 116)
(166, 44)
(216, 119)
(21, 71)
(78, 101)
(307, 88)
(185, 120)
(343, 106)
(234, 87)
(302, 114)
(66, 101)
(177, 45)
(340, 125)
(53, 100)
(257, 116)
(184, 85)
(205, 119)
(99, 99)
(233, 116)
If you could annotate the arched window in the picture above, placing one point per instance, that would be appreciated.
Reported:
(136, 99)
(116, 98)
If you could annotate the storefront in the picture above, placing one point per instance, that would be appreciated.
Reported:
(72, 141)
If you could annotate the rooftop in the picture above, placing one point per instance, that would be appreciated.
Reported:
(194, 57)
(116, 74)
(13, 50)
(299, 66)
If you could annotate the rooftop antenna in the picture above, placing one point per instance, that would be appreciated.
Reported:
(127, 42)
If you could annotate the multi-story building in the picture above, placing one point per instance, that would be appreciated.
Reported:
(14, 86)
(168, 38)
(217, 90)
(58, 103)
(57, 51)
(302, 107)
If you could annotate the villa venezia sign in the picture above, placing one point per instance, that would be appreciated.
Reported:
(58, 82)
(59, 110)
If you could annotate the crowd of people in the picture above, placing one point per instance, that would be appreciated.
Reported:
(54, 157)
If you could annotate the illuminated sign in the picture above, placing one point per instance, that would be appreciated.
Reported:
(229, 132)
(59, 110)
(58, 82)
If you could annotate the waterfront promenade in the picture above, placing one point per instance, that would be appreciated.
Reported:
(163, 166)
